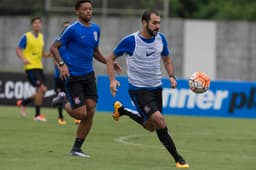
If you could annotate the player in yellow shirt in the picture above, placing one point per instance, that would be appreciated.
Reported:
(30, 50)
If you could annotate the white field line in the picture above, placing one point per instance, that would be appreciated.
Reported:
(125, 140)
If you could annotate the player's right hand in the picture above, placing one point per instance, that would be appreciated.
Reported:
(25, 61)
(114, 84)
(173, 82)
(64, 73)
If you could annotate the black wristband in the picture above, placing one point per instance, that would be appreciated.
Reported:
(172, 76)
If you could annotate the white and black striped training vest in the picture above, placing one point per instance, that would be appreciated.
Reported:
(144, 64)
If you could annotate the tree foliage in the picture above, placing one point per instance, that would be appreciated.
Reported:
(214, 9)
(194, 9)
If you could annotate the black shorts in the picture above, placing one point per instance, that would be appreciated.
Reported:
(35, 77)
(59, 85)
(147, 101)
(79, 88)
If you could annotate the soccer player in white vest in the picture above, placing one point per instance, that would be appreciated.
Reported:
(144, 50)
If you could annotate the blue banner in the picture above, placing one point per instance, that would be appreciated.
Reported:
(223, 99)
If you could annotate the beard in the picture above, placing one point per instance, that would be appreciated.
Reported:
(87, 19)
(152, 32)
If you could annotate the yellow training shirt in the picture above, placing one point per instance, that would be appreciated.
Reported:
(33, 51)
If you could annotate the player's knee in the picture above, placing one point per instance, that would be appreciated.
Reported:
(42, 89)
(79, 115)
(158, 121)
(91, 111)
(149, 127)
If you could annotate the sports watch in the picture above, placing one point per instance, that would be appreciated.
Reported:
(61, 63)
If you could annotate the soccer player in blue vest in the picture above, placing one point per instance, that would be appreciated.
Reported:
(81, 41)
(144, 50)
(59, 86)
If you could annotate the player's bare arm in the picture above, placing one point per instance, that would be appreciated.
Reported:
(20, 55)
(64, 73)
(98, 56)
(46, 54)
(170, 70)
(110, 69)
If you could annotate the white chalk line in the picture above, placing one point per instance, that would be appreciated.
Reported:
(125, 140)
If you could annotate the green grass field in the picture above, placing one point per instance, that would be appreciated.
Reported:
(206, 143)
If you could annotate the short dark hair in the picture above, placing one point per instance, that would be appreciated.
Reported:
(146, 15)
(79, 2)
(35, 18)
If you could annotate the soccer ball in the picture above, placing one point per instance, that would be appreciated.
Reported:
(199, 82)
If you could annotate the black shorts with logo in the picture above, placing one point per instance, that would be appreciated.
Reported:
(35, 77)
(79, 88)
(147, 101)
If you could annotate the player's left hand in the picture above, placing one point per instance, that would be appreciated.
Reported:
(173, 82)
(117, 68)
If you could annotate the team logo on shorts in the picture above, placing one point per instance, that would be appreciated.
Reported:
(38, 82)
(95, 36)
(77, 100)
(146, 108)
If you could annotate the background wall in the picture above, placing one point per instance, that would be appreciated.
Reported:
(200, 47)
(231, 52)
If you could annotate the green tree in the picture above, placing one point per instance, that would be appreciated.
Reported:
(214, 9)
